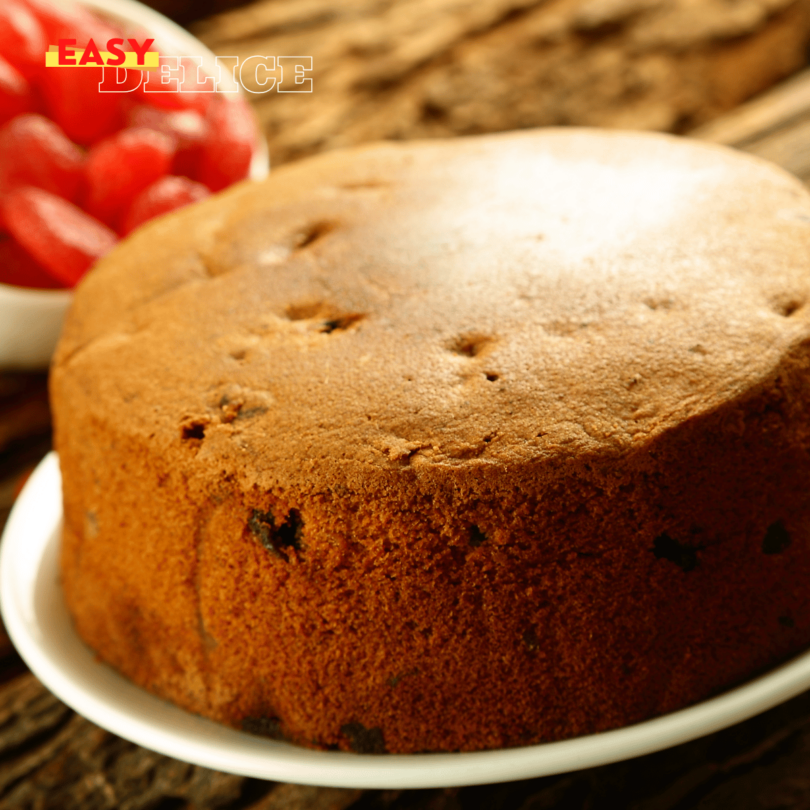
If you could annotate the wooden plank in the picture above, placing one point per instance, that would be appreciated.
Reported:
(438, 68)
(774, 126)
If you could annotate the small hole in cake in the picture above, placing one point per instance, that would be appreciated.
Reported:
(666, 548)
(290, 532)
(193, 430)
(343, 322)
(477, 537)
(239, 354)
(530, 639)
(364, 740)
(312, 234)
(786, 621)
(469, 345)
(777, 538)
(492, 377)
(431, 111)
(277, 539)
(787, 305)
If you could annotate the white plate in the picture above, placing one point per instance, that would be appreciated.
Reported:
(35, 615)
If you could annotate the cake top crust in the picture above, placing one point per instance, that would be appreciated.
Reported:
(487, 300)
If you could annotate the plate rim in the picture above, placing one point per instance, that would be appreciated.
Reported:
(31, 535)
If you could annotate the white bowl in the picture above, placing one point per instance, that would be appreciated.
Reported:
(31, 320)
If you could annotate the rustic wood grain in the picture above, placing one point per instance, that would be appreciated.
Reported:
(775, 126)
(433, 68)
(54, 759)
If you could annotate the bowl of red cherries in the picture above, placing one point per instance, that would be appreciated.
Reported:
(110, 115)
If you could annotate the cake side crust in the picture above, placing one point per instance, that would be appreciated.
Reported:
(548, 601)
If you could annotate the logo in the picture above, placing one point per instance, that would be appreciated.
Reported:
(182, 74)
(139, 58)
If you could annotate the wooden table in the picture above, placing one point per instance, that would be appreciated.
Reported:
(51, 757)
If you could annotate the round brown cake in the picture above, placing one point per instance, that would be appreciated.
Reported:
(448, 445)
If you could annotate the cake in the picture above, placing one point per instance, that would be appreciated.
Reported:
(445, 446)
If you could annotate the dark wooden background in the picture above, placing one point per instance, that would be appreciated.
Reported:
(51, 757)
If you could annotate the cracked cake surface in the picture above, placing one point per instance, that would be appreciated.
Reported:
(447, 445)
